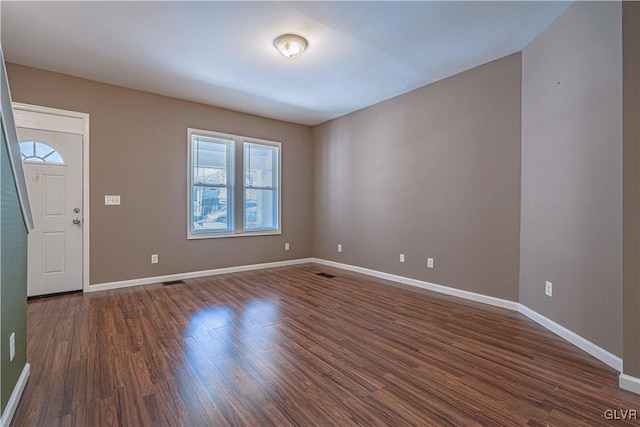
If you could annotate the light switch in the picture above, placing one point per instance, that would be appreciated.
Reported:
(111, 200)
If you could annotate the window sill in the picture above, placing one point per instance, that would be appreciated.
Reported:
(232, 234)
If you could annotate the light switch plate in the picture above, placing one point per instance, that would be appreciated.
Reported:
(112, 200)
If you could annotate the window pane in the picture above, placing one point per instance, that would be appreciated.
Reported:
(27, 149)
(260, 210)
(42, 149)
(54, 157)
(39, 152)
(259, 165)
(210, 157)
(211, 210)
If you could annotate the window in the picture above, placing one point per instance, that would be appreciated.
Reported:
(260, 186)
(211, 184)
(217, 206)
(39, 152)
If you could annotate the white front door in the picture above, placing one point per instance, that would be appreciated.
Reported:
(53, 168)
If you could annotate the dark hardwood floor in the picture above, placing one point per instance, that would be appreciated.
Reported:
(287, 347)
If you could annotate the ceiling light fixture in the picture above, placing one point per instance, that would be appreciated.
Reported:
(290, 45)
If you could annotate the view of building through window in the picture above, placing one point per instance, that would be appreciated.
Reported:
(261, 195)
(217, 205)
(212, 174)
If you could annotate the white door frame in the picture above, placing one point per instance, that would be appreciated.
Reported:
(56, 120)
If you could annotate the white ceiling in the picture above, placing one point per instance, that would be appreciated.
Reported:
(222, 54)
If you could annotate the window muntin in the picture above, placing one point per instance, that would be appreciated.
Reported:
(217, 206)
(39, 152)
(212, 171)
(260, 204)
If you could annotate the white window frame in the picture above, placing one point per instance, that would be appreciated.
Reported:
(275, 187)
(236, 185)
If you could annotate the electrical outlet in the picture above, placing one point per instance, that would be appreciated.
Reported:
(339, 247)
(154, 258)
(286, 246)
(429, 262)
(548, 289)
(401, 257)
(12, 346)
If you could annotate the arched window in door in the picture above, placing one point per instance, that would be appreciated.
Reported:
(39, 152)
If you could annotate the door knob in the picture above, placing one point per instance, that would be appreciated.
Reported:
(76, 221)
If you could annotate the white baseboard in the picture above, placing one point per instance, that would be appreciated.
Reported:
(7, 415)
(629, 383)
(497, 302)
(192, 275)
(598, 352)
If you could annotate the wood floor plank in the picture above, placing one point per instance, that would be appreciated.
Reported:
(285, 347)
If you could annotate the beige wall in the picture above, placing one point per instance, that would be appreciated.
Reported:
(432, 173)
(571, 232)
(138, 150)
(631, 188)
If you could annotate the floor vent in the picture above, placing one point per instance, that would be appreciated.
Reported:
(173, 282)
(326, 275)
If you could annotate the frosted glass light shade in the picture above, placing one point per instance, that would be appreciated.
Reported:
(290, 45)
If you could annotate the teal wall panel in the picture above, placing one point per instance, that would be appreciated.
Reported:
(13, 281)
